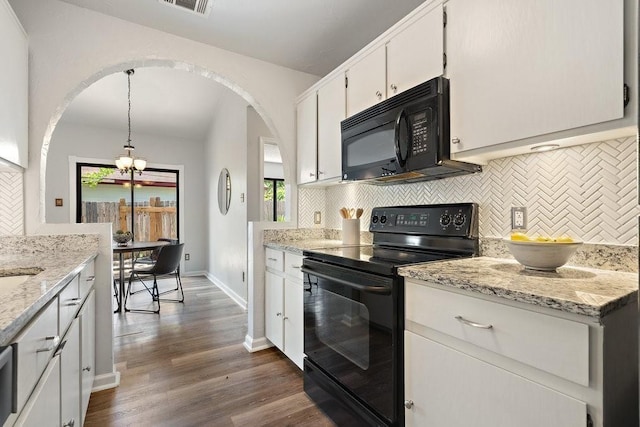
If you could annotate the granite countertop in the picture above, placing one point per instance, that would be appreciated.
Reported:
(19, 303)
(579, 290)
(298, 246)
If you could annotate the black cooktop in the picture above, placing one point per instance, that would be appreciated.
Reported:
(405, 235)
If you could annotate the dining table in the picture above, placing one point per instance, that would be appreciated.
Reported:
(131, 247)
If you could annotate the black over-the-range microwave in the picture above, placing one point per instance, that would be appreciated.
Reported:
(404, 138)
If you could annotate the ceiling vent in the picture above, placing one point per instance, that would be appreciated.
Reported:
(199, 7)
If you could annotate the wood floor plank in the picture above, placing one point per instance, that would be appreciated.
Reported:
(188, 367)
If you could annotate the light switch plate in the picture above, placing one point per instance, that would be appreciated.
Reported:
(317, 217)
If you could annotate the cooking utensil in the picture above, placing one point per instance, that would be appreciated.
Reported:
(352, 213)
(344, 213)
(359, 212)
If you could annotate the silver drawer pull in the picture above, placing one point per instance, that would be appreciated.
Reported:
(408, 404)
(474, 324)
(272, 259)
(91, 278)
(278, 314)
(73, 301)
(70, 423)
(87, 369)
(55, 340)
(297, 267)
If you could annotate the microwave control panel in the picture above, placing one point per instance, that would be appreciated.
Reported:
(420, 132)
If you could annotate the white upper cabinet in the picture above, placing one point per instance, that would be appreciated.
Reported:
(331, 111)
(307, 133)
(13, 88)
(366, 81)
(415, 54)
(525, 69)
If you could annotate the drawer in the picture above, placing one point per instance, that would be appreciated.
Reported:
(557, 346)
(34, 347)
(87, 279)
(293, 265)
(69, 302)
(274, 259)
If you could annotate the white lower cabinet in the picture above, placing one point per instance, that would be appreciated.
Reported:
(284, 320)
(485, 361)
(56, 359)
(450, 389)
(87, 319)
(70, 377)
(43, 408)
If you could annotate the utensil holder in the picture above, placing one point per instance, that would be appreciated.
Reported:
(351, 231)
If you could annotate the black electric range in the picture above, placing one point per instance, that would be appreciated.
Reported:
(354, 309)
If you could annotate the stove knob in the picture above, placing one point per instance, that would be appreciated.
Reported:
(445, 220)
(383, 219)
(459, 219)
(374, 219)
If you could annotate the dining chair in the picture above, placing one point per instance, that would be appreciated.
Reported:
(152, 257)
(167, 263)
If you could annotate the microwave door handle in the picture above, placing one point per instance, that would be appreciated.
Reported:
(401, 123)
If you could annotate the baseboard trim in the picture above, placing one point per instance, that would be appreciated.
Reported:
(253, 345)
(193, 273)
(230, 293)
(106, 381)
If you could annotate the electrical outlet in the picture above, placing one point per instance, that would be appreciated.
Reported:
(317, 217)
(519, 218)
(187, 257)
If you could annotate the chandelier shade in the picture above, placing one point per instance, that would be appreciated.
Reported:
(127, 162)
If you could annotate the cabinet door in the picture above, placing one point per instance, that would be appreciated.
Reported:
(415, 55)
(70, 376)
(88, 350)
(13, 87)
(274, 309)
(43, 407)
(451, 389)
(306, 122)
(331, 111)
(366, 81)
(293, 321)
(524, 69)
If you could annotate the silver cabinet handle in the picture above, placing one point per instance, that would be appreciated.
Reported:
(87, 369)
(91, 278)
(320, 173)
(278, 314)
(394, 88)
(73, 302)
(297, 267)
(69, 423)
(55, 341)
(455, 140)
(379, 94)
(474, 324)
(311, 174)
(408, 404)
(272, 259)
(285, 318)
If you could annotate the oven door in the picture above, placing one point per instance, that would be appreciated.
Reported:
(353, 332)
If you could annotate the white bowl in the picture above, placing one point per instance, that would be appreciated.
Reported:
(545, 256)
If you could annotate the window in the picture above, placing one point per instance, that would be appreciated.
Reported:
(146, 204)
(274, 206)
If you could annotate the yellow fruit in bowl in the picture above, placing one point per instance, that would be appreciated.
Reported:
(564, 239)
(520, 237)
(543, 239)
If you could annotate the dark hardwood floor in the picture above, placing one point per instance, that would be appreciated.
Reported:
(188, 367)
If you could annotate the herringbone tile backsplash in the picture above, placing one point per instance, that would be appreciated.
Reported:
(587, 191)
(11, 202)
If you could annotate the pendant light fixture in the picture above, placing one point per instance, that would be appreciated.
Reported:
(126, 162)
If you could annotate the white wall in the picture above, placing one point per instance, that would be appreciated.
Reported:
(90, 142)
(71, 47)
(256, 129)
(226, 147)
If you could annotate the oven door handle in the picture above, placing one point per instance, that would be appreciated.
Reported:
(379, 290)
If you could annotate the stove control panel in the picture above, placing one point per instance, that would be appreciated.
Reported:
(457, 219)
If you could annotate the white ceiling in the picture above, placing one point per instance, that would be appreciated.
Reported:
(313, 36)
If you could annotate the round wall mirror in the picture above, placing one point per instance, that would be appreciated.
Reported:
(224, 191)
